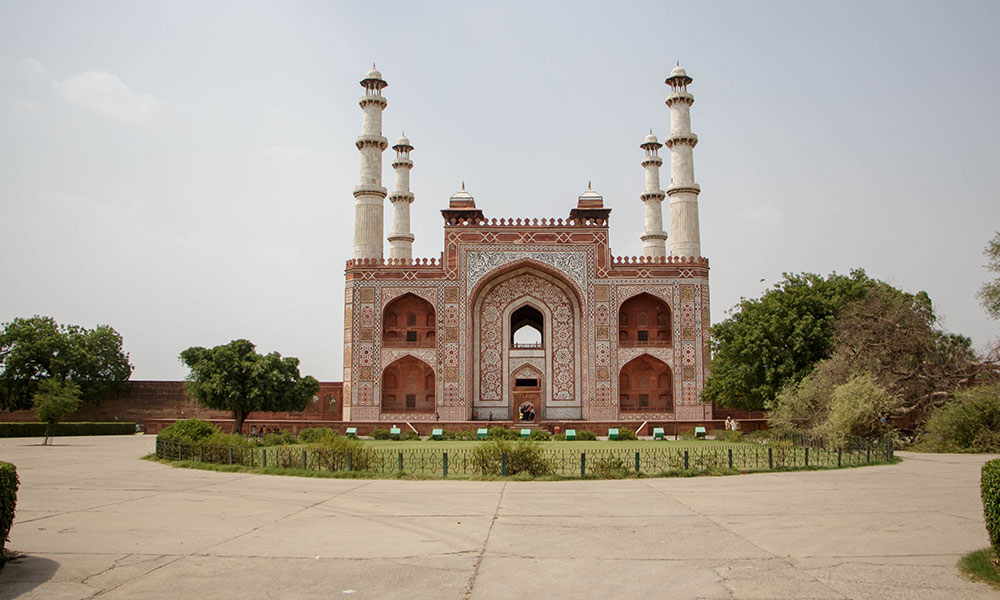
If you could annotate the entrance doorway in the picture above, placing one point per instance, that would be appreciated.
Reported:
(527, 395)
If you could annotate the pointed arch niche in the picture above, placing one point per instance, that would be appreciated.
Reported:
(518, 300)
(644, 320)
(408, 386)
(645, 384)
(409, 322)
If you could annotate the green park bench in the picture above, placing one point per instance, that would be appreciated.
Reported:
(699, 432)
(352, 432)
(394, 433)
(570, 435)
(525, 434)
(481, 434)
(437, 434)
(657, 433)
(613, 433)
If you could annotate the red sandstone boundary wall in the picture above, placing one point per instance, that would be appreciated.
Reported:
(142, 401)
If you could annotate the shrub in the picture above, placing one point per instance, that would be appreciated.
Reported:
(586, 435)
(409, 436)
(609, 467)
(279, 438)
(332, 452)
(523, 456)
(990, 485)
(8, 499)
(227, 440)
(625, 435)
(38, 429)
(499, 433)
(734, 436)
(540, 435)
(380, 434)
(969, 424)
(858, 408)
(461, 434)
(313, 435)
(560, 437)
(783, 453)
(190, 431)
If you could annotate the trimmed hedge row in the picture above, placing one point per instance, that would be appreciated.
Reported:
(990, 483)
(38, 429)
(8, 498)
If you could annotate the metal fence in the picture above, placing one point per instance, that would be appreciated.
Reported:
(603, 462)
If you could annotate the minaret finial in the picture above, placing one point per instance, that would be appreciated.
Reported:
(463, 185)
(589, 187)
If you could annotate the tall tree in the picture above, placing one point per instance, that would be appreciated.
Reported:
(37, 348)
(778, 338)
(989, 294)
(236, 378)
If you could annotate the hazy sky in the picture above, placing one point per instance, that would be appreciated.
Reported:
(183, 171)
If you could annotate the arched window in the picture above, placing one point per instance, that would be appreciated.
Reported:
(647, 384)
(526, 326)
(417, 393)
(636, 318)
(419, 317)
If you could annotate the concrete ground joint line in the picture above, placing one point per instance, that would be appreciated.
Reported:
(139, 576)
(785, 560)
(471, 584)
(282, 518)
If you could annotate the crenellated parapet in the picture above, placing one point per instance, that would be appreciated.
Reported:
(521, 223)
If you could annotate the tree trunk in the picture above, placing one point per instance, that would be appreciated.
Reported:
(49, 432)
(239, 417)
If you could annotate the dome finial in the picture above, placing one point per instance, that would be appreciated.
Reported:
(463, 185)
(589, 187)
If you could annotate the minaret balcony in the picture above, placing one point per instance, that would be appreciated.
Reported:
(680, 188)
(652, 195)
(680, 98)
(373, 99)
(369, 190)
(401, 197)
(681, 139)
(371, 140)
(652, 159)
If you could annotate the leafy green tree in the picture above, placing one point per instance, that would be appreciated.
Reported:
(776, 339)
(860, 407)
(53, 400)
(989, 294)
(37, 348)
(969, 424)
(236, 378)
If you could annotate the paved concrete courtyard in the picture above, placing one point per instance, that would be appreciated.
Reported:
(94, 521)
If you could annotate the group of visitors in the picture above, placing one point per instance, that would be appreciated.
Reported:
(732, 424)
(264, 430)
(527, 413)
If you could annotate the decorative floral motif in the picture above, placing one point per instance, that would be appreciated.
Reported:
(573, 264)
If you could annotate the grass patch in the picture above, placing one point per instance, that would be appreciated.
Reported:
(981, 565)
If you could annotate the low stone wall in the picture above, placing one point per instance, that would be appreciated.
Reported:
(425, 427)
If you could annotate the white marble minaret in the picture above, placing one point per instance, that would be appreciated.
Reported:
(369, 195)
(685, 235)
(400, 237)
(654, 239)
